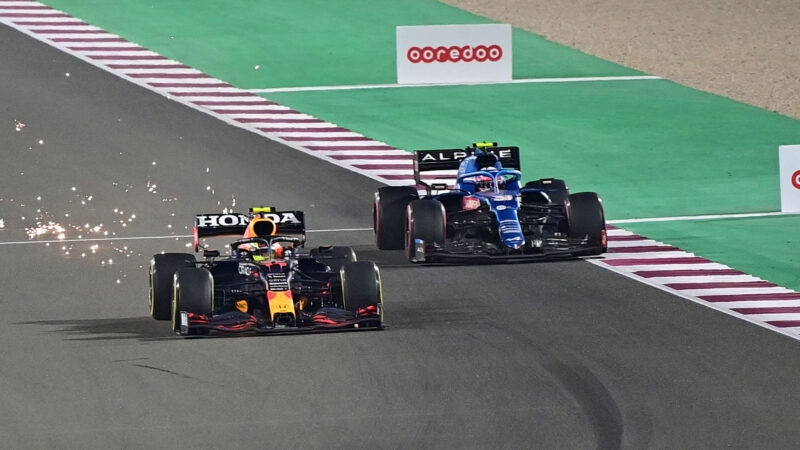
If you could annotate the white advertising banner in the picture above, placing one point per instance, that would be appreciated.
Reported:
(453, 53)
(789, 159)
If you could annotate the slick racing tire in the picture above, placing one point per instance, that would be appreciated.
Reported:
(361, 287)
(426, 221)
(162, 268)
(333, 257)
(193, 293)
(389, 215)
(587, 220)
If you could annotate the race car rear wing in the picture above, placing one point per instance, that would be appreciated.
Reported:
(291, 223)
(450, 159)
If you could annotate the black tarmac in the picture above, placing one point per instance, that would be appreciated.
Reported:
(537, 355)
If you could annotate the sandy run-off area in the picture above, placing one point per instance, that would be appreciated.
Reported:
(748, 50)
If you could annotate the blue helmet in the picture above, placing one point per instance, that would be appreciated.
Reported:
(479, 161)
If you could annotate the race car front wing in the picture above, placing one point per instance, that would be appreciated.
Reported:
(324, 319)
(478, 250)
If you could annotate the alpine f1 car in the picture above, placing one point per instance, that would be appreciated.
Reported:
(488, 215)
(267, 284)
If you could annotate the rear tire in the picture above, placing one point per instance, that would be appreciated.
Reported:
(193, 293)
(389, 215)
(334, 257)
(361, 287)
(426, 221)
(587, 220)
(162, 268)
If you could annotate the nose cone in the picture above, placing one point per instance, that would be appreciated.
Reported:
(511, 234)
(515, 241)
(510, 230)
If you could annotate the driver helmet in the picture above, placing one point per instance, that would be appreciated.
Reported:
(247, 249)
(481, 161)
(485, 183)
(276, 251)
(487, 162)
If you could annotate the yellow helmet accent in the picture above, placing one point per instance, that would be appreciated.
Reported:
(262, 209)
(484, 144)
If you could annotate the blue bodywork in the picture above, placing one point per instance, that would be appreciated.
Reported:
(504, 202)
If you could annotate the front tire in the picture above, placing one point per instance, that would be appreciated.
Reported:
(389, 214)
(162, 268)
(587, 220)
(193, 293)
(426, 221)
(361, 287)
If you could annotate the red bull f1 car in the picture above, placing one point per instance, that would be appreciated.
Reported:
(489, 215)
(267, 284)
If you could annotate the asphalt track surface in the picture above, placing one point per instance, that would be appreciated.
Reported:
(545, 355)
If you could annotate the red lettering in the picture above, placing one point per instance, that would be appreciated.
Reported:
(441, 54)
(481, 53)
(466, 53)
(455, 53)
(414, 55)
(428, 55)
(495, 53)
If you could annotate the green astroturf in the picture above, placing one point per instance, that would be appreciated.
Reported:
(306, 43)
(651, 148)
(767, 247)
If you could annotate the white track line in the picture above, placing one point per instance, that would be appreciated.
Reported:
(737, 294)
(144, 238)
(394, 85)
(704, 217)
(769, 307)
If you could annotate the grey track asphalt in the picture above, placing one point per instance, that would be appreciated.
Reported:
(543, 355)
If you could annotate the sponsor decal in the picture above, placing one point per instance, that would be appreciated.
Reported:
(277, 282)
(471, 203)
(218, 220)
(455, 54)
(248, 269)
(227, 220)
(458, 155)
(789, 173)
(470, 53)
(510, 226)
(286, 217)
(443, 156)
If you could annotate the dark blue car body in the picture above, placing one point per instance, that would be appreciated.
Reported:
(488, 214)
